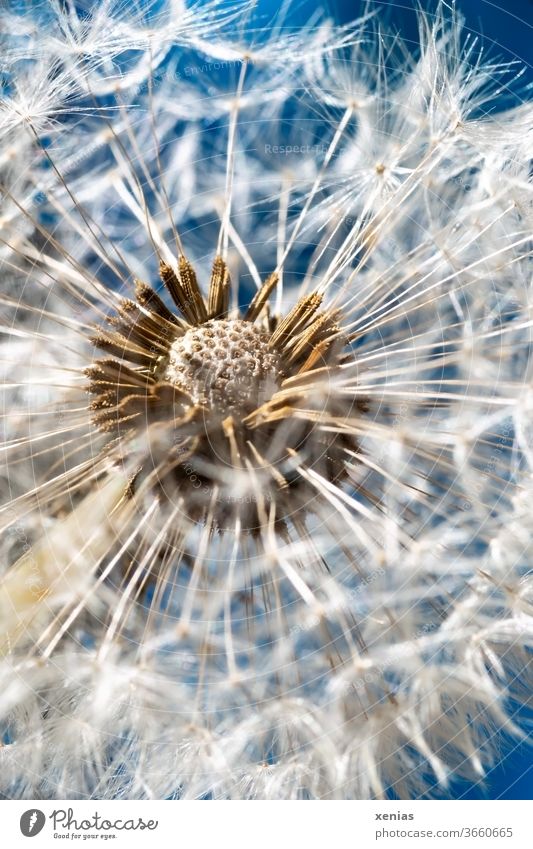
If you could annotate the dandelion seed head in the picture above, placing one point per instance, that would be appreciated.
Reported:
(226, 365)
(221, 388)
(266, 343)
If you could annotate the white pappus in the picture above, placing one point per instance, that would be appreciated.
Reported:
(267, 440)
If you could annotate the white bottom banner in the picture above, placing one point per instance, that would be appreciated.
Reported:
(269, 825)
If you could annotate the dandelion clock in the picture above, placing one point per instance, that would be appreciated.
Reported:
(267, 440)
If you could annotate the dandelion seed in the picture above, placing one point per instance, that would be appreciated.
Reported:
(266, 421)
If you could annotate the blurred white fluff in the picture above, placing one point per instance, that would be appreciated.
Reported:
(380, 646)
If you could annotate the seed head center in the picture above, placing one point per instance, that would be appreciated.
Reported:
(227, 365)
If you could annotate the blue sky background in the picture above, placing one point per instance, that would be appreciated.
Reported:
(506, 26)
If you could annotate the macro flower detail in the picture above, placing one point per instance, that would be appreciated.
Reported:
(266, 364)
(228, 389)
